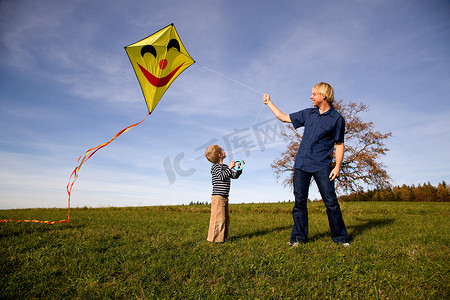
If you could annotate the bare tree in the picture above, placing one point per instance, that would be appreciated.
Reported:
(364, 146)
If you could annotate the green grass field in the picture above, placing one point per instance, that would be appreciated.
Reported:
(399, 250)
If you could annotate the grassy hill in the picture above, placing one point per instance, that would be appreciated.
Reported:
(399, 250)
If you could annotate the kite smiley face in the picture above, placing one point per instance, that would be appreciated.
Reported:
(149, 52)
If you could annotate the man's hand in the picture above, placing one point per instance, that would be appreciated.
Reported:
(278, 113)
(334, 173)
(339, 157)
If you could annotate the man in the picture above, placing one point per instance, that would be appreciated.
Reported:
(324, 128)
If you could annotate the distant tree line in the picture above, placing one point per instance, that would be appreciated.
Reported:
(198, 203)
(420, 193)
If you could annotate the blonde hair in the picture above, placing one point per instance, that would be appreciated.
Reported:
(212, 153)
(326, 90)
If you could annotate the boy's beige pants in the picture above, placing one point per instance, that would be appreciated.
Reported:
(220, 219)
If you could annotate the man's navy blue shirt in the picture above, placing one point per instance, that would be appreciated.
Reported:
(322, 131)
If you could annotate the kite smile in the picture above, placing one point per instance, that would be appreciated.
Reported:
(155, 81)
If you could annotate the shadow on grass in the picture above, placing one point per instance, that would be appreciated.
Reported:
(259, 233)
(355, 230)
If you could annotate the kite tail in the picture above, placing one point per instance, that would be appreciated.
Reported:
(82, 159)
(88, 154)
(34, 221)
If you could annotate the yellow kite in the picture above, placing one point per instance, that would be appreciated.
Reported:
(157, 60)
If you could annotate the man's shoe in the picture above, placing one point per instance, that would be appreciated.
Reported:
(345, 245)
(295, 244)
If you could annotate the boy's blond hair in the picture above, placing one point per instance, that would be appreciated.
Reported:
(326, 90)
(212, 153)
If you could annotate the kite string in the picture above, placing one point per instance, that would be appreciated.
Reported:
(238, 82)
(231, 79)
(244, 85)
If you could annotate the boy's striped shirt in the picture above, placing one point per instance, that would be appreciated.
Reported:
(221, 182)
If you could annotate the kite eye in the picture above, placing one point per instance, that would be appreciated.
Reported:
(173, 43)
(148, 49)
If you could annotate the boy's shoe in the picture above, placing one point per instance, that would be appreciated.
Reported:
(347, 245)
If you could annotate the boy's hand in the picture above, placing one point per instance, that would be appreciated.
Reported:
(240, 164)
(266, 99)
(232, 163)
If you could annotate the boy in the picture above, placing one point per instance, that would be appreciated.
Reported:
(221, 175)
(324, 128)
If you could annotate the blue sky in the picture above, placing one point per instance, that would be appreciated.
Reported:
(67, 85)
